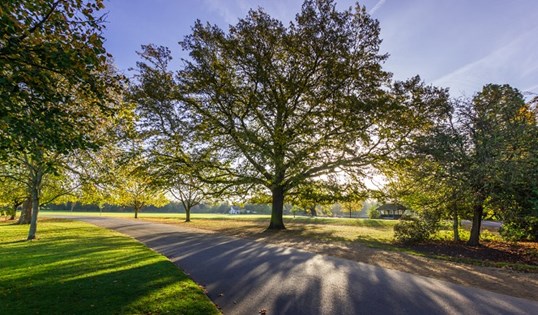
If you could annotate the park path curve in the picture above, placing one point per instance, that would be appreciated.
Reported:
(244, 276)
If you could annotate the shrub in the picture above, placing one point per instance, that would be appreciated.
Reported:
(417, 229)
(373, 213)
(520, 229)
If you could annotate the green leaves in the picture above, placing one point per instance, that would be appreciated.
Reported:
(56, 81)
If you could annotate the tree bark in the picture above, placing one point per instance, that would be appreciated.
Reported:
(277, 211)
(187, 214)
(13, 212)
(35, 191)
(478, 211)
(456, 225)
(136, 212)
(313, 212)
(26, 212)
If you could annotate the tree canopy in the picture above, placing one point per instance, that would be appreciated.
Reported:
(55, 78)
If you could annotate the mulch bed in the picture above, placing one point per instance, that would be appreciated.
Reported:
(522, 252)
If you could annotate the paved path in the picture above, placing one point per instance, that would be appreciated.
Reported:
(243, 276)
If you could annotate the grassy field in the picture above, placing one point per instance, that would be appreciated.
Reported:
(77, 268)
(320, 228)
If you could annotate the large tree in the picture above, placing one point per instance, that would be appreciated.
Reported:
(501, 132)
(56, 83)
(278, 105)
(273, 106)
(479, 157)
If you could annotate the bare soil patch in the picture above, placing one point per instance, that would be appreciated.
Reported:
(497, 252)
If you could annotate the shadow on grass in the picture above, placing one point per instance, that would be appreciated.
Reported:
(93, 275)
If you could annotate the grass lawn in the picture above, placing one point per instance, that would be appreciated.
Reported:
(378, 232)
(77, 268)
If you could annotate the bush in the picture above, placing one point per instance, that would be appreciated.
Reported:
(373, 213)
(520, 229)
(410, 231)
(417, 229)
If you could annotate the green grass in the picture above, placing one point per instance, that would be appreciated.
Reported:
(77, 268)
(374, 232)
(236, 217)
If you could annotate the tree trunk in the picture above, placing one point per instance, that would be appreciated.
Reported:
(13, 212)
(187, 214)
(26, 212)
(350, 213)
(313, 211)
(456, 225)
(277, 211)
(72, 206)
(136, 212)
(478, 211)
(36, 183)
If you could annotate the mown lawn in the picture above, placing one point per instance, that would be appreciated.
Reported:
(320, 229)
(378, 232)
(77, 268)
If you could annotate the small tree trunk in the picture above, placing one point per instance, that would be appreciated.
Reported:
(72, 206)
(456, 225)
(313, 211)
(13, 212)
(136, 212)
(277, 211)
(478, 210)
(350, 213)
(26, 212)
(35, 207)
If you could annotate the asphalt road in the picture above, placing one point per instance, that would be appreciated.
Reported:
(243, 277)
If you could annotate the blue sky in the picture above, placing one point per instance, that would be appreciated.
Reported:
(460, 44)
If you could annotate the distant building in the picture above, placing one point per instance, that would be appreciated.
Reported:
(234, 210)
(391, 211)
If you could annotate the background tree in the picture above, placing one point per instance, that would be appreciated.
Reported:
(352, 200)
(475, 159)
(56, 84)
(135, 186)
(272, 106)
(432, 175)
(12, 192)
(497, 122)
(311, 194)
(189, 191)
